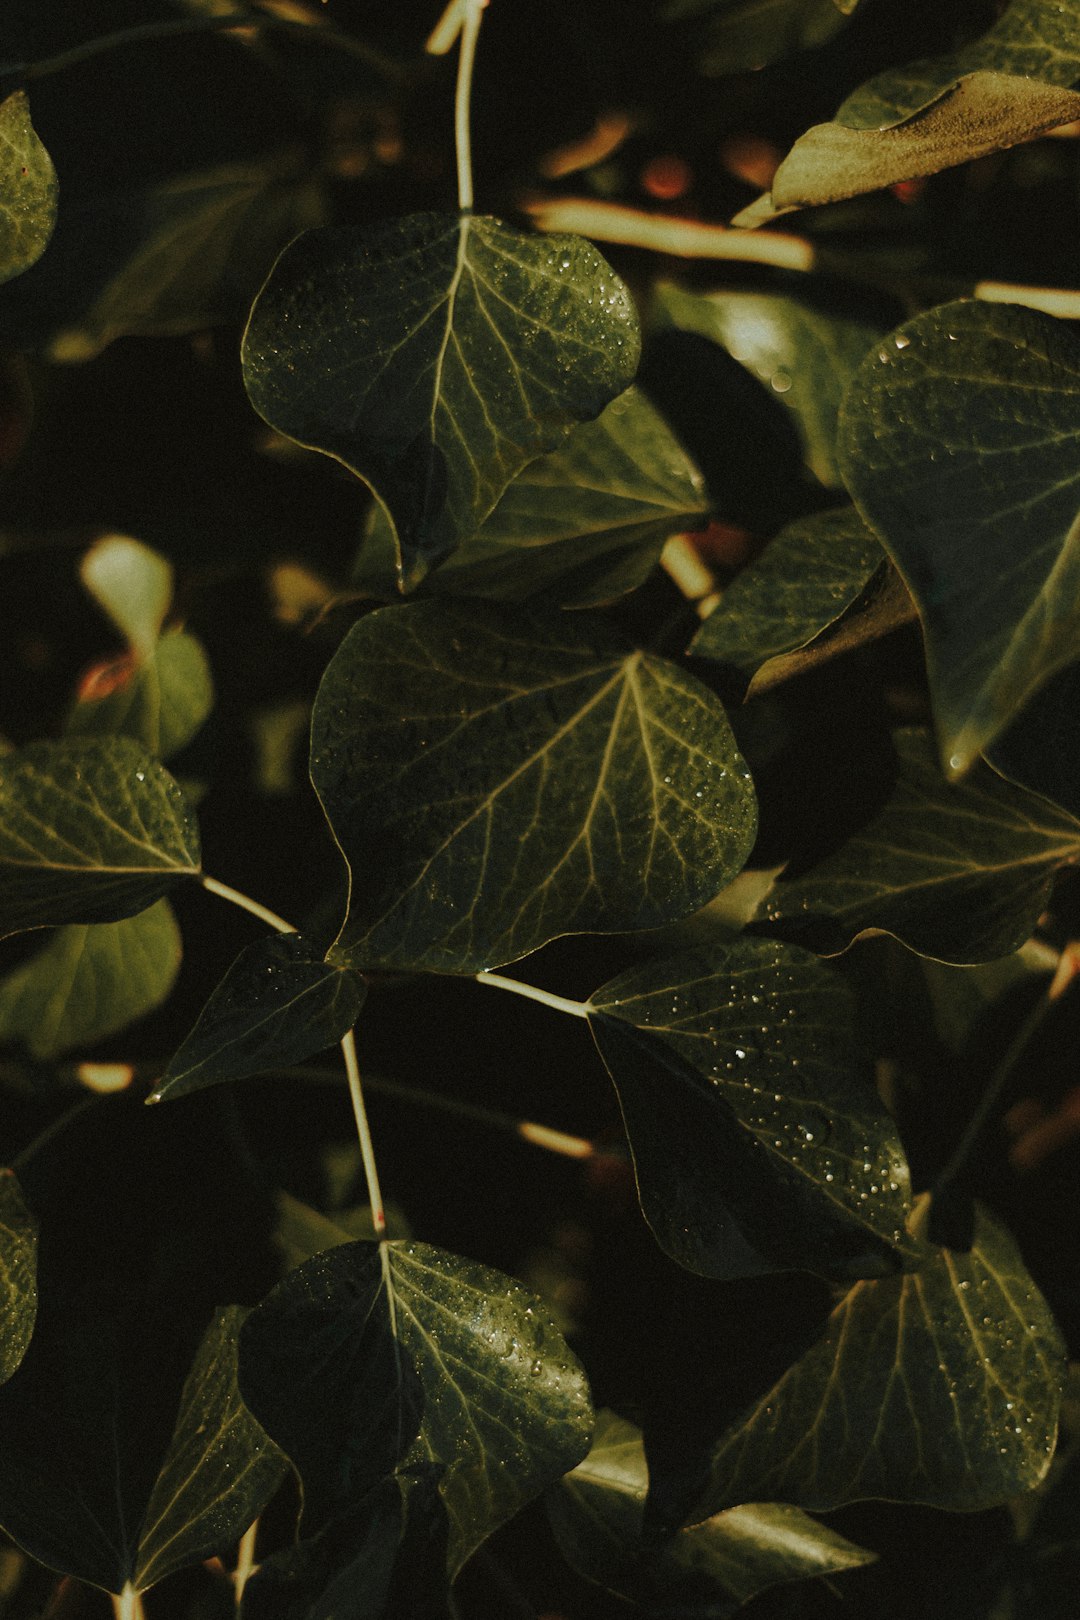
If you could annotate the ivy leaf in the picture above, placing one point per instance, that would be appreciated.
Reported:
(958, 871)
(161, 702)
(18, 1274)
(372, 1360)
(806, 356)
(435, 355)
(91, 980)
(941, 1388)
(580, 526)
(744, 35)
(28, 189)
(759, 1141)
(705, 1572)
(494, 782)
(220, 1469)
(91, 830)
(279, 1003)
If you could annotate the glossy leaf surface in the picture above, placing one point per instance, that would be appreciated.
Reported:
(18, 1274)
(278, 1004)
(705, 1572)
(91, 830)
(161, 702)
(976, 498)
(758, 1138)
(959, 871)
(495, 781)
(435, 355)
(90, 980)
(28, 189)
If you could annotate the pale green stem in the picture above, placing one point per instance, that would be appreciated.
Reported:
(363, 1131)
(245, 1560)
(576, 1009)
(246, 903)
(470, 33)
(127, 1605)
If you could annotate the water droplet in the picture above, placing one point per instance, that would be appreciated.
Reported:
(901, 341)
(781, 382)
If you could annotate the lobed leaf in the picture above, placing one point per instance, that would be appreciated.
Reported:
(494, 782)
(28, 189)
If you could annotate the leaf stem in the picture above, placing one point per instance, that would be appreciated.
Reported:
(246, 903)
(245, 1560)
(127, 1605)
(576, 1009)
(363, 1131)
(472, 12)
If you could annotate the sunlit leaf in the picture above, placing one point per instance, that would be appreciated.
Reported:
(705, 1572)
(28, 189)
(91, 980)
(942, 1387)
(91, 830)
(495, 781)
(133, 585)
(959, 871)
(956, 443)
(758, 1138)
(18, 1274)
(161, 702)
(747, 34)
(279, 1003)
(435, 355)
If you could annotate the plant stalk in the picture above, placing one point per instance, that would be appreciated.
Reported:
(246, 903)
(563, 1004)
(363, 1131)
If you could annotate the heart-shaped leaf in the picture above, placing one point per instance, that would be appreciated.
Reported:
(435, 355)
(279, 1003)
(989, 552)
(161, 701)
(28, 189)
(133, 584)
(495, 781)
(758, 1138)
(91, 830)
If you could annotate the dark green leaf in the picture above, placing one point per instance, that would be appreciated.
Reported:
(279, 1003)
(956, 441)
(959, 871)
(435, 355)
(706, 1572)
(748, 34)
(28, 189)
(942, 1387)
(91, 830)
(758, 1138)
(494, 782)
(1039, 749)
(579, 527)
(371, 1360)
(161, 702)
(91, 980)
(18, 1274)
(806, 356)
(220, 1469)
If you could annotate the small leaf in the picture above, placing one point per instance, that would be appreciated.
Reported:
(28, 189)
(279, 1003)
(494, 782)
(91, 830)
(758, 1138)
(744, 35)
(435, 355)
(18, 1275)
(371, 1360)
(705, 1572)
(942, 1388)
(91, 980)
(162, 702)
(133, 585)
(219, 1472)
(958, 871)
(935, 426)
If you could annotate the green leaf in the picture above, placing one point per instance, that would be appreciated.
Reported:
(435, 355)
(747, 34)
(371, 1360)
(91, 980)
(942, 1388)
(18, 1274)
(758, 1138)
(28, 189)
(804, 355)
(91, 830)
(1038, 750)
(705, 1572)
(132, 584)
(220, 1469)
(578, 527)
(958, 871)
(806, 577)
(279, 1003)
(162, 702)
(496, 781)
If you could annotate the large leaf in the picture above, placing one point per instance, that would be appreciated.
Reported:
(28, 189)
(18, 1274)
(435, 355)
(1039, 749)
(161, 702)
(91, 830)
(278, 1004)
(956, 442)
(958, 871)
(747, 34)
(705, 1572)
(804, 355)
(91, 980)
(579, 526)
(942, 1387)
(375, 1359)
(494, 782)
(758, 1138)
